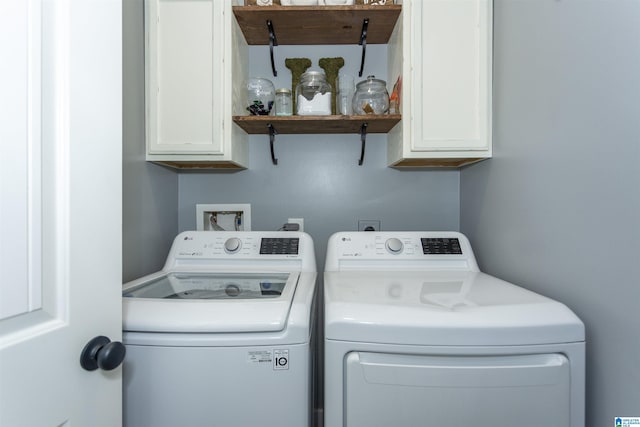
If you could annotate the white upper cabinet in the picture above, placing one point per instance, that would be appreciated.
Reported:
(196, 63)
(447, 72)
(192, 48)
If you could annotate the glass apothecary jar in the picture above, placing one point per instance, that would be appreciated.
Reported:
(260, 96)
(371, 97)
(313, 94)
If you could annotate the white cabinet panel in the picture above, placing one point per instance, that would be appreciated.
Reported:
(447, 70)
(188, 70)
(185, 77)
(451, 76)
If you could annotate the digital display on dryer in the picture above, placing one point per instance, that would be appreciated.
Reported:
(441, 246)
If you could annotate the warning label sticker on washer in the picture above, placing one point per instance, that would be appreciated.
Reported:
(278, 358)
(281, 359)
(260, 357)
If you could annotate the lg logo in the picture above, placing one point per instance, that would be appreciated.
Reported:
(280, 359)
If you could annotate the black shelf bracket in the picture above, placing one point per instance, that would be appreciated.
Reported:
(363, 43)
(273, 41)
(363, 140)
(272, 138)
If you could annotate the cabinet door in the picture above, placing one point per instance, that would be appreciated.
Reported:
(184, 53)
(451, 67)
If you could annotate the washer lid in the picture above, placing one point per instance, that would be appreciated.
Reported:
(442, 308)
(209, 302)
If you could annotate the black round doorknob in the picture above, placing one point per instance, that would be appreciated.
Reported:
(102, 353)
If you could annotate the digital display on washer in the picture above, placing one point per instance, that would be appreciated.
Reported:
(279, 246)
(212, 286)
(441, 246)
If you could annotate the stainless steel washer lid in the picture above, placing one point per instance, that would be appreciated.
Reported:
(442, 308)
(209, 302)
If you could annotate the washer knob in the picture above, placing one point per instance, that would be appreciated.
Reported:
(394, 245)
(232, 245)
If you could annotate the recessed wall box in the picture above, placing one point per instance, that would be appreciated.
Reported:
(223, 217)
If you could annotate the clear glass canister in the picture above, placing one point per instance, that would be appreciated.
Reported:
(344, 97)
(371, 97)
(313, 94)
(284, 105)
(260, 94)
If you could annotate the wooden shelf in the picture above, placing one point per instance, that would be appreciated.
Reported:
(309, 25)
(317, 124)
(317, 25)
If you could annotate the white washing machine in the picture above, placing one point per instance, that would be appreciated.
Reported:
(416, 335)
(222, 336)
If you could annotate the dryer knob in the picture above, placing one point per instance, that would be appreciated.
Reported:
(232, 245)
(394, 245)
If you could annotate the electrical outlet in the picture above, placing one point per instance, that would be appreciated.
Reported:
(299, 221)
(231, 217)
(368, 225)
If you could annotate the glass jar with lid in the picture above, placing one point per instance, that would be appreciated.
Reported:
(313, 94)
(371, 97)
(284, 105)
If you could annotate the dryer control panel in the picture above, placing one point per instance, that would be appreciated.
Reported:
(399, 250)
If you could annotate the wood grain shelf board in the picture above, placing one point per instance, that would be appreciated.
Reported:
(317, 124)
(436, 162)
(314, 25)
(200, 164)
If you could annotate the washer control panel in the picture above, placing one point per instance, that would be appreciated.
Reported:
(268, 245)
(229, 245)
(273, 250)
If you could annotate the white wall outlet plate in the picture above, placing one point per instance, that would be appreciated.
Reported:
(223, 217)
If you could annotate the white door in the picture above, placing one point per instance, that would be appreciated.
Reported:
(60, 209)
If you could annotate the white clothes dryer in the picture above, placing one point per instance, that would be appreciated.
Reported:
(223, 335)
(416, 335)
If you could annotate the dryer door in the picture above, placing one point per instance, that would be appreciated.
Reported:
(408, 390)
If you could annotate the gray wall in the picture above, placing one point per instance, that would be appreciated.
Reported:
(150, 192)
(318, 177)
(557, 209)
